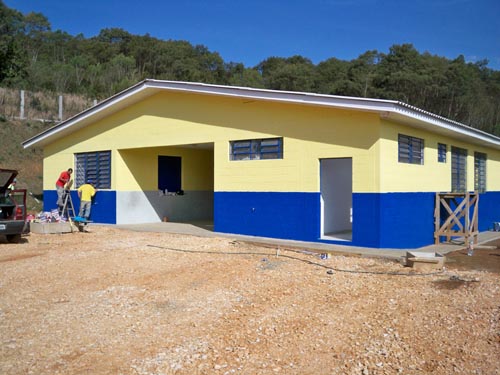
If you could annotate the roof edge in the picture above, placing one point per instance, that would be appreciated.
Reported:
(443, 122)
(381, 106)
(84, 114)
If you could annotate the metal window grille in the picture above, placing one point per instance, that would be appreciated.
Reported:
(410, 149)
(479, 172)
(95, 166)
(442, 149)
(256, 149)
(458, 169)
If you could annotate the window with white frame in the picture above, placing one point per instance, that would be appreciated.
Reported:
(94, 166)
(257, 149)
(410, 149)
(479, 171)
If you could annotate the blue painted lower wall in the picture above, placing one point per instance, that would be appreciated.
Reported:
(278, 215)
(380, 220)
(103, 205)
(393, 220)
(489, 210)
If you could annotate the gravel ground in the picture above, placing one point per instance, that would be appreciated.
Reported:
(117, 302)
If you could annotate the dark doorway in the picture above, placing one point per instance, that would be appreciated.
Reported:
(169, 173)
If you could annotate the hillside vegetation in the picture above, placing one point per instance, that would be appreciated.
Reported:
(36, 58)
(27, 162)
(41, 112)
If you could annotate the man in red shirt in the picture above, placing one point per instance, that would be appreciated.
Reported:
(61, 182)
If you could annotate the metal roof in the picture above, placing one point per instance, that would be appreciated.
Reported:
(387, 109)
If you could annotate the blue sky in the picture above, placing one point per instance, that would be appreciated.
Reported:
(251, 31)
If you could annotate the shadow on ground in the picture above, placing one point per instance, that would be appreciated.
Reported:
(485, 258)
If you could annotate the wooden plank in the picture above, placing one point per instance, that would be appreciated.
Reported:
(452, 226)
(437, 218)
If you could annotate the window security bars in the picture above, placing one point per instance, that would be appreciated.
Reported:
(95, 166)
(480, 172)
(458, 169)
(410, 149)
(257, 149)
(442, 153)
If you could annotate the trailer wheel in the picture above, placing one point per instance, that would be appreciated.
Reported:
(14, 238)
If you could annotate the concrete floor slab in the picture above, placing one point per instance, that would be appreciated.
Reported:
(205, 229)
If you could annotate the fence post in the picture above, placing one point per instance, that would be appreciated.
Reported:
(21, 114)
(60, 107)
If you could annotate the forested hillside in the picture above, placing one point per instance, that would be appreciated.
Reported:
(36, 58)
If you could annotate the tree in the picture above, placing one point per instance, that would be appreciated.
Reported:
(238, 75)
(331, 76)
(118, 74)
(361, 73)
(36, 29)
(11, 53)
(398, 73)
(295, 73)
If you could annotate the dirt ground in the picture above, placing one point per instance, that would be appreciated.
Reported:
(117, 302)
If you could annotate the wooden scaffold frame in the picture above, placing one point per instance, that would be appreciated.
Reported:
(458, 221)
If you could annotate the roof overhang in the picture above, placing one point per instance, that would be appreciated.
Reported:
(387, 109)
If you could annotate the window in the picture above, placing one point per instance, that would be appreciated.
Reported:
(410, 149)
(479, 171)
(458, 169)
(255, 149)
(442, 148)
(95, 166)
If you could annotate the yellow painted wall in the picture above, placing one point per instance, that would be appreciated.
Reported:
(136, 169)
(431, 176)
(53, 165)
(299, 168)
(493, 171)
(179, 119)
(136, 134)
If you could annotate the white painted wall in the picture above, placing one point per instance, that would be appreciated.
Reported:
(135, 207)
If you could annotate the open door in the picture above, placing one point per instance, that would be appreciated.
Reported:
(336, 198)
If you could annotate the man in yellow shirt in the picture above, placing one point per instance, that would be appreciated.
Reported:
(85, 193)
